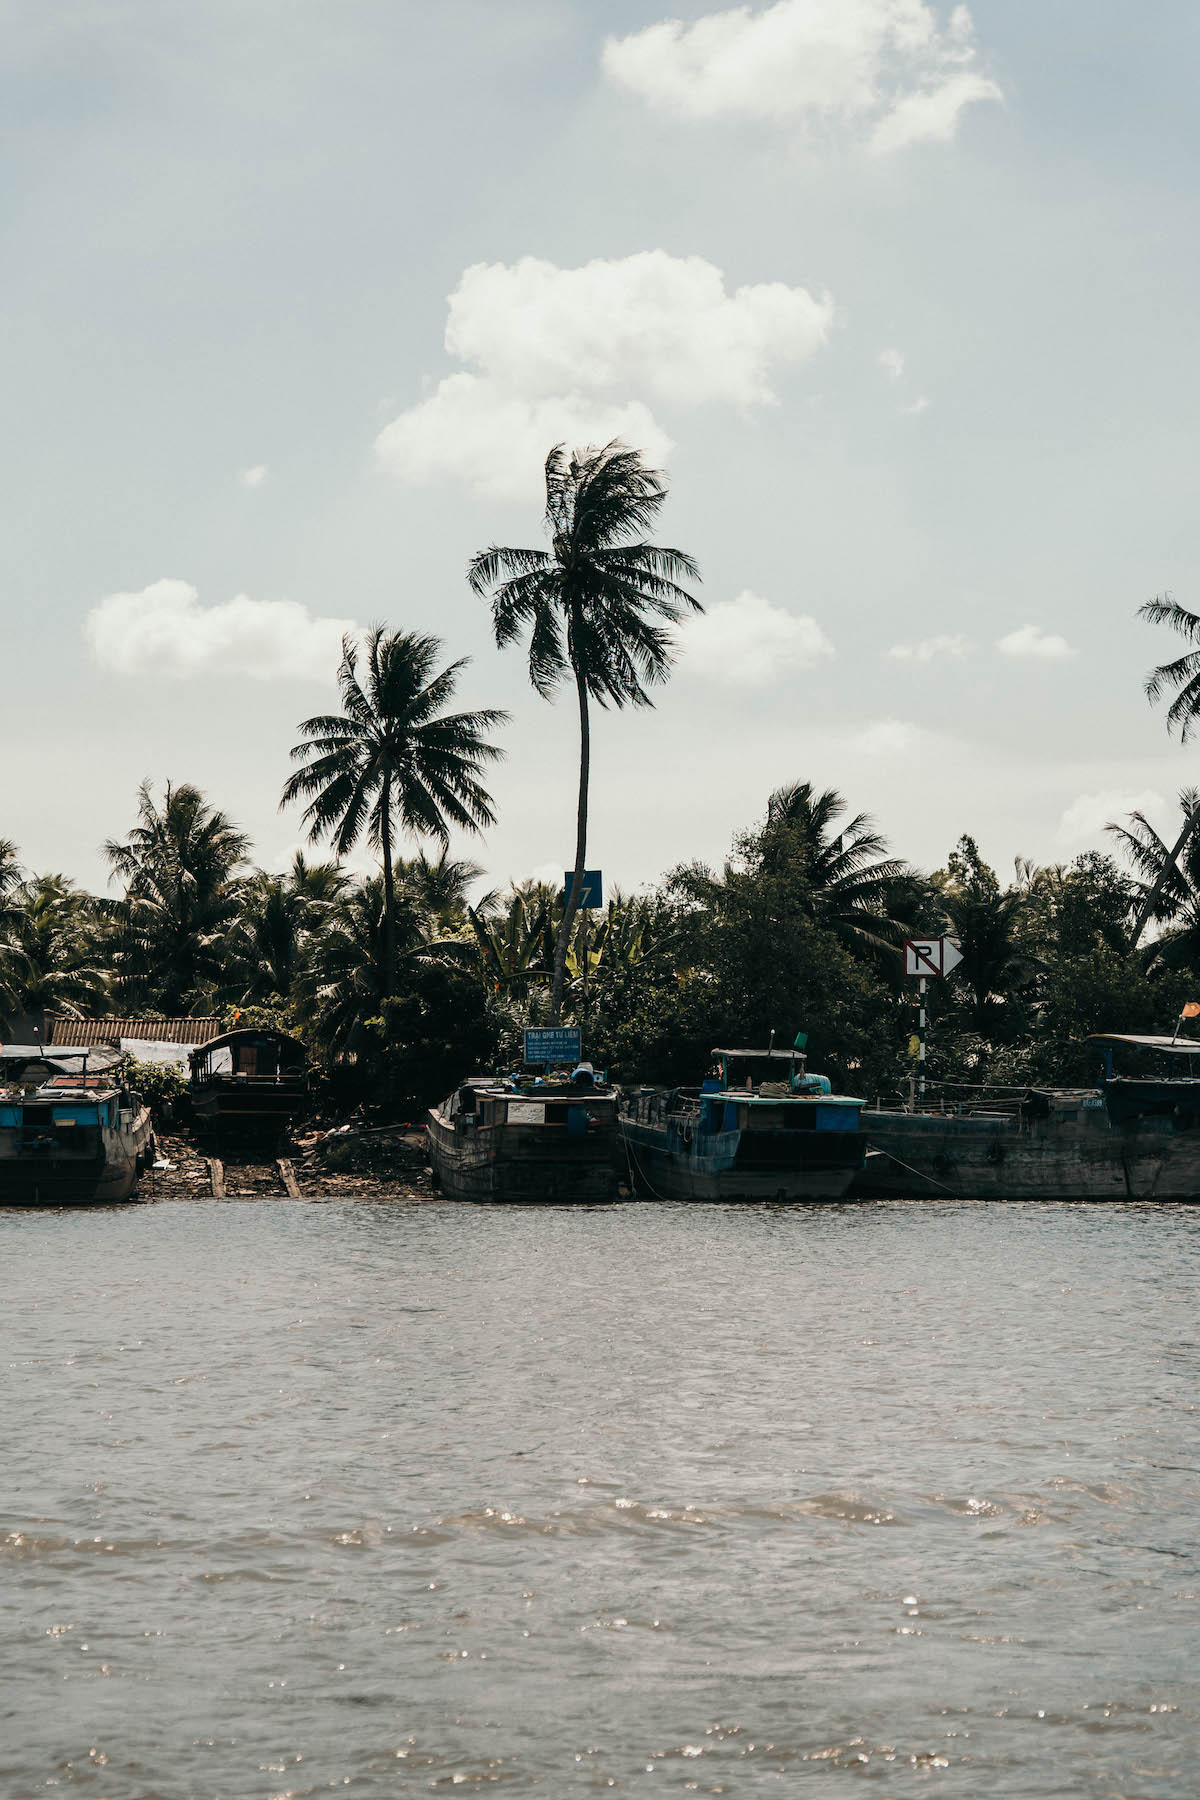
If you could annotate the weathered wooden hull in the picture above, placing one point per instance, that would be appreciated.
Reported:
(739, 1165)
(256, 1105)
(524, 1165)
(1084, 1157)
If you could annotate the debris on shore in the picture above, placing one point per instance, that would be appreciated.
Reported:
(347, 1163)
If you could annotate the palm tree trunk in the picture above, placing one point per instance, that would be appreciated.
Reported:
(1160, 880)
(572, 907)
(389, 890)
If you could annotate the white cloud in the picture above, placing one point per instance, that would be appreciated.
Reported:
(577, 353)
(944, 644)
(881, 65)
(482, 433)
(885, 737)
(931, 117)
(662, 324)
(751, 641)
(253, 478)
(918, 405)
(892, 363)
(164, 630)
(1031, 641)
(1084, 820)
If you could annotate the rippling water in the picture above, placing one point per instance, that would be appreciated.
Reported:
(386, 1497)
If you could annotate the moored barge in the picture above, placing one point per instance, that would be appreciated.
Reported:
(1132, 1136)
(761, 1128)
(71, 1132)
(524, 1143)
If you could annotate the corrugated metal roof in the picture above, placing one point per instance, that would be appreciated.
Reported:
(61, 1030)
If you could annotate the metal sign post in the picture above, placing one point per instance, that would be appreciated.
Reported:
(591, 899)
(926, 958)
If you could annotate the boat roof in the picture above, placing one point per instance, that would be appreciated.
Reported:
(1174, 1046)
(775, 1055)
(249, 1034)
(93, 1060)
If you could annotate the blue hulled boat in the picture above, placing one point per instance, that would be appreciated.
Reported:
(760, 1128)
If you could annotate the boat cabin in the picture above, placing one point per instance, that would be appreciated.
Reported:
(771, 1090)
(483, 1103)
(249, 1075)
(1142, 1076)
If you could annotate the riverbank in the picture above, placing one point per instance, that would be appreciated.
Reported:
(386, 1164)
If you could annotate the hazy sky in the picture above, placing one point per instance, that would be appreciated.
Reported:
(297, 293)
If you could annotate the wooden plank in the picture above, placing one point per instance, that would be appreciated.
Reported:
(216, 1178)
(289, 1178)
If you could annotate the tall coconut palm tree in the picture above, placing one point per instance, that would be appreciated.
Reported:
(854, 881)
(392, 758)
(594, 606)
(179, 865)
(1169, 880)
(1183, 676)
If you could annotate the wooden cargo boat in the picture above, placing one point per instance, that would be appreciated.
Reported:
(248, 1078)
(1130, 1137)
(550, 1144)
(761, 1129)
(69, 1135)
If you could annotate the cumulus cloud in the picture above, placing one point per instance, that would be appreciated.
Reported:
(752, 641)
(884, 68)
(1031, 642)
(252, 478)
(164, 630)
(576, 354)
(944, 644)
(1084, 820)
(475, 430)
(892, 363)
(663, 324)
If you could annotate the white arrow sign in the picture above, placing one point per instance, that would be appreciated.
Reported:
(928, 957)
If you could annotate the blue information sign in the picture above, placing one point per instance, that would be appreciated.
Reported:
(552, 1045)
(591, 892)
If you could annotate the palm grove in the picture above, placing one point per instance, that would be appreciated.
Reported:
(399, 982)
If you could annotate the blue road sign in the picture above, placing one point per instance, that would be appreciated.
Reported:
(591, 893)
(552, 1044)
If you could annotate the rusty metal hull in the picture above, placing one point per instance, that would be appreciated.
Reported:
(1083, 1156)
(739, 1165)
(110, 1175)
(523, 1165)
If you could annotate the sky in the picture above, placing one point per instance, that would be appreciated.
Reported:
(901, 297)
